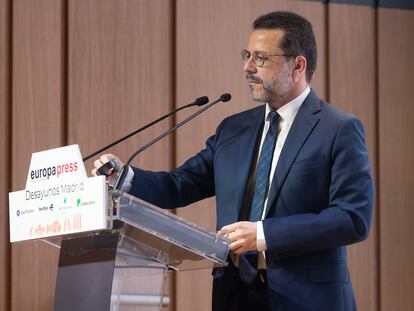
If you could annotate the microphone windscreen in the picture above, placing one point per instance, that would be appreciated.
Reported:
(225, 97)
(201, 101)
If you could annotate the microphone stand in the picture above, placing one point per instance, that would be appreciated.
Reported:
(198, 102)
(124, 171)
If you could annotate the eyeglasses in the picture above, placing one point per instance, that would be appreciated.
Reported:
(259, 58)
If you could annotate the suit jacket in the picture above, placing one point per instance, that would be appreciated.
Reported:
(320, 200)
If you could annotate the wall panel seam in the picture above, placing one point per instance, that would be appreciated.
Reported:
(9, 157)
(378, 157)
(174, 139)
(173, 87)
(65, 72)
(327, 61)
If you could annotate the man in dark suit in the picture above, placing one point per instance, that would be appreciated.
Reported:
(292, 182)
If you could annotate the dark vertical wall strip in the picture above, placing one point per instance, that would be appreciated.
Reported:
(376, 168)
(171, 288)
(372, 3)
(9, 159)
(395, 4)
(174, 77)
(5, 157)
(327, 59)
(65, 71)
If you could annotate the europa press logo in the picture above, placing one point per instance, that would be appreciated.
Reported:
(53, 171)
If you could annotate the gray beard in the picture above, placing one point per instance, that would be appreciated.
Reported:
(275, 90)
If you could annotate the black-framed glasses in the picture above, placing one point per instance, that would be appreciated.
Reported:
(259, 58)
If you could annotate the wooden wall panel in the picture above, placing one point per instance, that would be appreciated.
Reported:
(4, 154)
(396, 126)
(210, 36)
(36, 125)
(120, 77)
(352, 87)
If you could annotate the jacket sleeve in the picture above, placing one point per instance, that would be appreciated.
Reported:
(191, 182)
(348, 217)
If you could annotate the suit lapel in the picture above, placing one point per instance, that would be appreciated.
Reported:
(302, 126)
(247, 145)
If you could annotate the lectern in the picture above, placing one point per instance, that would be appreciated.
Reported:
(115, 249)
(124, 268)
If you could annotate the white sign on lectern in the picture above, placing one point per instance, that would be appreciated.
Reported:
(58, 199)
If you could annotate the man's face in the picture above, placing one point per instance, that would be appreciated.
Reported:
(273, 81)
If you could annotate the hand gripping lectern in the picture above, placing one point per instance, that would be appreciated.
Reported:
(124, 268)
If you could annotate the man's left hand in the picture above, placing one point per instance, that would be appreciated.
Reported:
(242, 235)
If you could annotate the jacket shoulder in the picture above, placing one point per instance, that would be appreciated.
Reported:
(241, 117)
(334, 112)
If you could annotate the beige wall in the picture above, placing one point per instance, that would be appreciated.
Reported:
(352, 86)
(396, 167)
(88, 71)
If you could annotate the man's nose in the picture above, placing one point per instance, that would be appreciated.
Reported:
(249, 66)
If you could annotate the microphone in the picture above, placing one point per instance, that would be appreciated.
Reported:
(201, 101)
(225, 97)
(124, 171)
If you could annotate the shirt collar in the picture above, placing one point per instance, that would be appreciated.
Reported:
(288, 111)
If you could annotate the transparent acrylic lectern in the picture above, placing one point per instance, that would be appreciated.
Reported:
(124, 268)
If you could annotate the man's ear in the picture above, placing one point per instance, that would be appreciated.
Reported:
(299, 70)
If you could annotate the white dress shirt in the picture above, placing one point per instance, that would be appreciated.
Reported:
(287, 114)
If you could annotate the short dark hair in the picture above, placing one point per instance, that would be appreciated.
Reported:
(298, 38)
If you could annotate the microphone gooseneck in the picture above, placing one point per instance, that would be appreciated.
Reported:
(201, 101)
(124, 171)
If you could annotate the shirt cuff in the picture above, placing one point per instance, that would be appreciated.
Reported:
(260, 238)
(127, 185)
